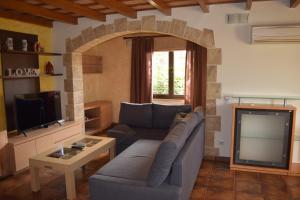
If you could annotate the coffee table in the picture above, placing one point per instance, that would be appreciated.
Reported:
(69, 165)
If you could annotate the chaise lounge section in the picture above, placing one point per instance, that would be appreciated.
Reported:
(155, 169)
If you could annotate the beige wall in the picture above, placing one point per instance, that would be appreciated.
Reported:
(114, 83)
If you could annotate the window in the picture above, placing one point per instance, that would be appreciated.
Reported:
(168, 74)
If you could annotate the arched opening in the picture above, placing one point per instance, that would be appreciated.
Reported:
(92, 37)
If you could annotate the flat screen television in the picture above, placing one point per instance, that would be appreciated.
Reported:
(37, 110)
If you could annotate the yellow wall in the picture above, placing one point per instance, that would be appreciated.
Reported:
(45, 38)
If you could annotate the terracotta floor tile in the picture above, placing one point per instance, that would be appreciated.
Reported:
(272, 179)
(221, 165)
(205, 172)
(202, 181)
(248, 187)
(222, 183)
(224, 173)
(272, 197)
(291, 180)
(217, 194)
(247, 196)
(198, 193)
(294, 192)
(215, 182)
(274, 190)
(247, 176)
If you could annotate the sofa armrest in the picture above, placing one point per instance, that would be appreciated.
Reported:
(120, 131)
(187, 164)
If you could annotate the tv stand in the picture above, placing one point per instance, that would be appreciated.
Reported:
(24, 133)
(39, 140)
(45, 126)
(60, 123)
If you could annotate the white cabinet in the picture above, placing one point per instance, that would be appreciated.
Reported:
(38, 141)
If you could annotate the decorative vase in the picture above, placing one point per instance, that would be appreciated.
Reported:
(10, 44)
(24, 45)
(49, 68)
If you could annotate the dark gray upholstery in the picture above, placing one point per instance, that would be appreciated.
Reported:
(192, 118)
(133, 163)
(177, 186)
(172, 162)
(163, 115)
(147, 121)
(150, 133)
(186, 166)
(167, 153)
(136, 115)
(124, 136)
(121, 130)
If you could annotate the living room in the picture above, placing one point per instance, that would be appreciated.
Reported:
(82, 52)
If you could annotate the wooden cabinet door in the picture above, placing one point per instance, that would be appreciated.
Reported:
(44, 143)
(67, 133)
(22, 154)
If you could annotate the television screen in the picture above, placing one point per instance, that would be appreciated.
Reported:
(35, 110)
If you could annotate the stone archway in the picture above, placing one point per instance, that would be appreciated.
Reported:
(91, 37)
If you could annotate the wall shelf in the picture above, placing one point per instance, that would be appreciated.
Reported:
(91, 119)
(98, 116)
(31, 53)
(91, 64)
(26, 77)
(283, 98)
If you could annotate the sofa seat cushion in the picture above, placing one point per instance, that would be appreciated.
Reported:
(136, 115)
(134, 163)
(150, 133)
(163, 115)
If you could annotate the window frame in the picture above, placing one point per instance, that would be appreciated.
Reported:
(171, 94)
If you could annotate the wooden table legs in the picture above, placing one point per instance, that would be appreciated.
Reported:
(35, 179)
(70, 185)
(112, 152)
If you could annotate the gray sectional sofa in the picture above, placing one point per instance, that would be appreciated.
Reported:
(155, 169)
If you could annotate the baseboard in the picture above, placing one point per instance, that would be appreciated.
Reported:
(217, 158)
(295, 170)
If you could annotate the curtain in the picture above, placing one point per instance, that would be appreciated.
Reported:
(195, 75)
(141, 70)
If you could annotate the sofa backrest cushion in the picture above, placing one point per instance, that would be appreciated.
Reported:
(163, 115)
(199, 111)
(136, 115)
(192, 119)
(166, 154)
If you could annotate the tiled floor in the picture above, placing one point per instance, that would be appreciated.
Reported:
(215, 182)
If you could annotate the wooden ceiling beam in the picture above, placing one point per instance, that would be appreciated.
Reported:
(119, 7)
(203, 5)
(295, 3)
(26, 18)
(161, 6)
(248, 4)
(37, 11)
(76, 8)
